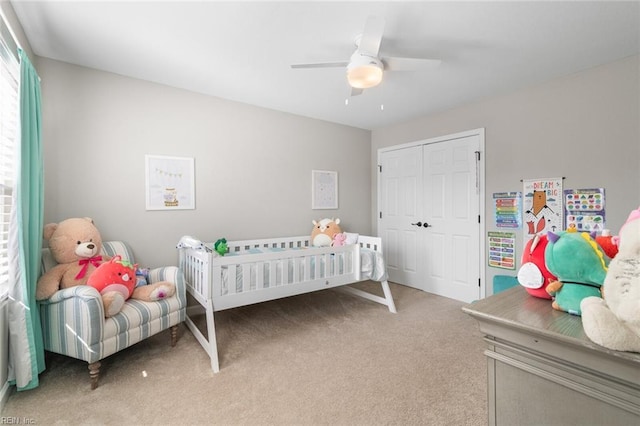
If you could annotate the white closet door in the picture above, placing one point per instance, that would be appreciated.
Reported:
(451, 208)
(401, 205)
(429, 216)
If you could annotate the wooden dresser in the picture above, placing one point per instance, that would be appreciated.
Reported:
(544, 370)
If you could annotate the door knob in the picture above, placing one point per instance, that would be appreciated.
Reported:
(426, 225)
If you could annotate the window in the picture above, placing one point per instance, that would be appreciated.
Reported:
(9, 70)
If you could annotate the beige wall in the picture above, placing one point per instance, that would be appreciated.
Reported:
(584, 127)
(253, 165)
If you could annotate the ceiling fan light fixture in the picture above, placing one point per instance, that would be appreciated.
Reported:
(364, 71)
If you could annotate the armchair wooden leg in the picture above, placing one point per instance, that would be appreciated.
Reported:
(94, 374)
(174, 335)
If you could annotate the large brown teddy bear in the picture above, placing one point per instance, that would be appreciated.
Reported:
(75, 245)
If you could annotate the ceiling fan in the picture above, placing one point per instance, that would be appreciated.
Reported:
(365, 67)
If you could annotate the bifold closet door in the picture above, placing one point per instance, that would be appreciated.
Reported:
(401, 207)
(429, 217)
(451, 206)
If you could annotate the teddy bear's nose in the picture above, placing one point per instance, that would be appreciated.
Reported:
(91, 246)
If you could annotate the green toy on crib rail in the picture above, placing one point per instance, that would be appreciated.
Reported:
(220, 246)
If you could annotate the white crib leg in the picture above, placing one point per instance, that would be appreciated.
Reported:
(387, 295)
(213, 343)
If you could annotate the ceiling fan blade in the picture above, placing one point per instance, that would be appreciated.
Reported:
(409, 64)
(321, 65)
(356, 92)
(371, 36)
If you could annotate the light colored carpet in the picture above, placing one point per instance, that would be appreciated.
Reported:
(325, 358)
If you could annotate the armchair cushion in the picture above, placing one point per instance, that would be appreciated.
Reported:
(73, 319)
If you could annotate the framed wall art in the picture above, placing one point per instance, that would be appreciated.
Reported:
(324, 189)
(169, 183)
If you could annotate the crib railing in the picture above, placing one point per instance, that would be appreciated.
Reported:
(271, 243)
(297, 269)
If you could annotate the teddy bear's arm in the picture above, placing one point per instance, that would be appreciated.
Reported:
(154, 292)
(49, 282)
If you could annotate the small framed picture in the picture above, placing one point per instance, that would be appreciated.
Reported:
(324, 189)
(169, 182)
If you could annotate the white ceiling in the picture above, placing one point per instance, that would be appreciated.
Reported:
(242, 51)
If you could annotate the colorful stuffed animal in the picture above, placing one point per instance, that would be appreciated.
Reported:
(75, 245)
(614, 320)
(142, 276)
(323, 232)
(608, 243)
(533, 274)
(221, 246)
(115, 281)
(580, 265)
(339, 240)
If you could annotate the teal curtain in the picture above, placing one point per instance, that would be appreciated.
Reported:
(26, 351)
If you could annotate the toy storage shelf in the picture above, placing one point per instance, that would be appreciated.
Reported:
(543, 369)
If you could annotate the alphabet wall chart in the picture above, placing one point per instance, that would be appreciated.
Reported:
(585, 209)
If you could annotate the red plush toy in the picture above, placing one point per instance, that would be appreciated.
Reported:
(115, 280)
(533, 274)
(608, 243)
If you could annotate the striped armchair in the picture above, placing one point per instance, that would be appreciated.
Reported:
(73, 321)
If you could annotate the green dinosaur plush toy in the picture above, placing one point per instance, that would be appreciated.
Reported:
(220, 246)
(580, 265)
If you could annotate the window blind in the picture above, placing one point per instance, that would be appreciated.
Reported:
(9, 71)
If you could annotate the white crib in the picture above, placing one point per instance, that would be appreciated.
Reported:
(256, 271)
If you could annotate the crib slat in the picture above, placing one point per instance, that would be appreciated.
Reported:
(296, 270)
(259, 275)
(307, 268)
(348, 263)
(246, 277)
(199, 274)
(273, 270)
(231, 279)
(316, 267)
